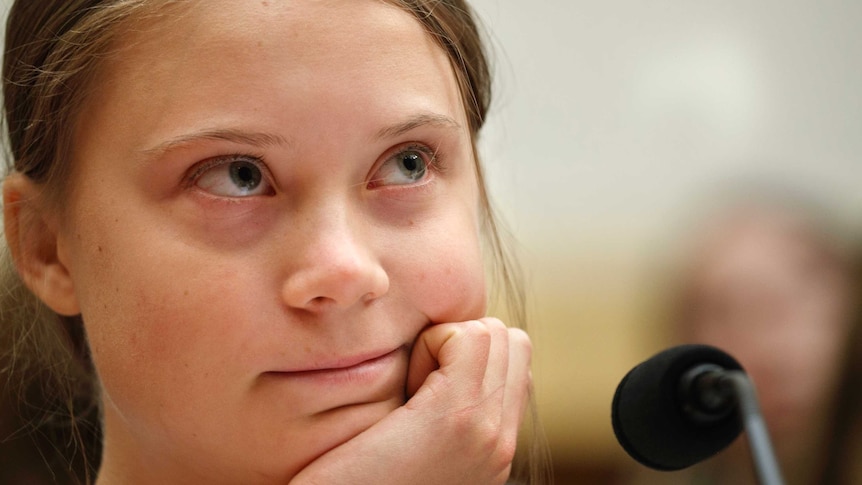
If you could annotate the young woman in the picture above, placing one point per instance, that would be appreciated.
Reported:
(258, 228)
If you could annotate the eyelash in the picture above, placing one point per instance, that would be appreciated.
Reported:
(202, 167)
(435, 158)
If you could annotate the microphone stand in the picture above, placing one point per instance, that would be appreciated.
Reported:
(765, 463)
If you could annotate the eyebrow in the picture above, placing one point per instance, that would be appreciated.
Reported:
(221, 134)
(416, 121)
(270, 139)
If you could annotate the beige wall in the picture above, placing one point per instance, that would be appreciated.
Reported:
(614, 120)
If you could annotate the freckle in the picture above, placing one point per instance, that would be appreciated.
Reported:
(412, 223)
(307, 349)
(186, 293)
(99, 248)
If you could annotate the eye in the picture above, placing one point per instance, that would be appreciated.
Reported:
(233, 176)
(405, 167)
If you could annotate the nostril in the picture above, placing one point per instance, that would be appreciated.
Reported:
(335, 275)
(317, 302)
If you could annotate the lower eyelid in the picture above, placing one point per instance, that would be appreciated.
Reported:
(408, 192)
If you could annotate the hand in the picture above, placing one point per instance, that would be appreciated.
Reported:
(468, 386)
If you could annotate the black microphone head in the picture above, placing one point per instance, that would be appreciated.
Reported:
(648, 413)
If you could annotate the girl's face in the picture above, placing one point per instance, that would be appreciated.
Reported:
(270, 201)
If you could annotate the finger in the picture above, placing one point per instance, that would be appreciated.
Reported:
(519, 382)
(423, 356)
(456, 352)
(496, 373)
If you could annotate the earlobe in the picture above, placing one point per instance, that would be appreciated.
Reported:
(32, 240)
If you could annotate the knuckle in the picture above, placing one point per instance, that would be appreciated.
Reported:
(476, 329)
(500, 461)
(520, 340)
(493, 322)
(505, 451)
(519, 335)
(484, 429)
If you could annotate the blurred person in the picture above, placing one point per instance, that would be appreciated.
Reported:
(770, 281)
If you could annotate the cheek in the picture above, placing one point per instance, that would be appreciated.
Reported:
(156, 309)
(453, 292)
(445, 279)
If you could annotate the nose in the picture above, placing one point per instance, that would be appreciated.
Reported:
(334, 265)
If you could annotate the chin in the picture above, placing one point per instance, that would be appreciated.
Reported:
(329, 430)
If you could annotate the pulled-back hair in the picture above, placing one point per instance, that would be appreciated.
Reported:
(55, 49)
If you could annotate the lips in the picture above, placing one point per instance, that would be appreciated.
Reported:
(360, 368)
(348, 363)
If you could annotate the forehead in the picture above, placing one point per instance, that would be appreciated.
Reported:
(749, 250)
(310, 30)
(224, 56)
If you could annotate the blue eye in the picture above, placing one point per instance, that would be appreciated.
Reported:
(412, 165)
(235, 176)
(245, 176)
(405, 167)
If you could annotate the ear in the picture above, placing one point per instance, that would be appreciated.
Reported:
(31, 232)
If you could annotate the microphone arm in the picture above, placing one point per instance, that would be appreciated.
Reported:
(762, 455)
(712, 392)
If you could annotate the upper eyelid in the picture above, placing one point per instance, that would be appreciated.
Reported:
(433, 157)
(433, 153)
(204, 165)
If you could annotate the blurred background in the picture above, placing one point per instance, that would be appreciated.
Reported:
(620, 129)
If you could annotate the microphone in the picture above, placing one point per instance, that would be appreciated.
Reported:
(686, 404)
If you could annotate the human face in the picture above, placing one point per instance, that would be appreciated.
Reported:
(768, 292)
(253, 242)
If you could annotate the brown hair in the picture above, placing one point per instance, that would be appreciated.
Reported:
(54, 49)
(842, 450)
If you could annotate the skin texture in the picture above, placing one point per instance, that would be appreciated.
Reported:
(241, 337)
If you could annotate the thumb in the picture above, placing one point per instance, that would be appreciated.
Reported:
(439, 347)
